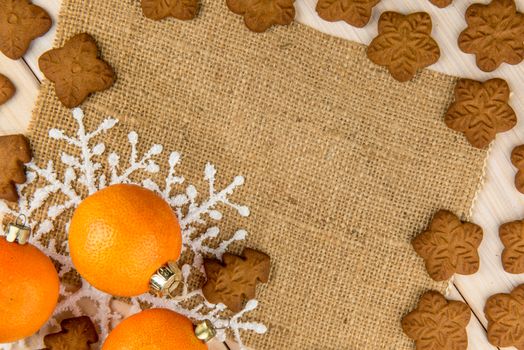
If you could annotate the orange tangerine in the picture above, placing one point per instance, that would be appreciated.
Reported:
(120, 236)
(29, 289)
(158, 329)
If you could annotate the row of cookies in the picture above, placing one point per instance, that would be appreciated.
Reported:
(404, 43)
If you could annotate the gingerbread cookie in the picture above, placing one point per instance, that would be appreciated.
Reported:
(14, 152)
(234, 281)
(77, 334)
(354, 12)
(449, 246)
(7, 89)
(76, 70)
(179, 9)
(20, 23)
(259, 16)
(517, 159)
(505, 315)
(438, 323)
(404, 44)
(441, 3)
(481, 110)
(494, 34)
(512, 236)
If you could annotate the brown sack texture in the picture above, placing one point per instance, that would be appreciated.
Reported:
(343, 165)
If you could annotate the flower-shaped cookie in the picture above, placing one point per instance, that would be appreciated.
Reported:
(354, 12)
(160, 9)
(441, 3)
(438, 323)
(512, 236)
(481, 110)
(20, 23)
(404, 44)
(494, 34)
(505, 314)
(76, 70)
(260, 15)
(7, 89)
(449, 246)
(517, 159)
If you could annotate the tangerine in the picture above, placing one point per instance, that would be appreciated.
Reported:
(120, 236)
(159, 329)
(29, 289)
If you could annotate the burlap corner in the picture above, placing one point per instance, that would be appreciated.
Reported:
(343, 164)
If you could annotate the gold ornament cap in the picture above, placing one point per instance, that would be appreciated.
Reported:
(166, 279)
(18, 232)
(205, 331)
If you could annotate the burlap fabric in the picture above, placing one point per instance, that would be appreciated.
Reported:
(344, 166)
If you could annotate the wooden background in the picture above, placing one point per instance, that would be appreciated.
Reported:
(497, 203)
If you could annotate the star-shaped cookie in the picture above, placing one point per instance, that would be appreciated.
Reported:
(354, 12)
(505, 314)
(179, 9)
(404, 44)
(7, 89)
(494, 34)
(449, 246)
(20, 23)
(512, 236)
(76, 70)
(438, 323)
(260, 15)
(481, 110)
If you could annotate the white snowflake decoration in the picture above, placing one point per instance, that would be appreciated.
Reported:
(85, 171)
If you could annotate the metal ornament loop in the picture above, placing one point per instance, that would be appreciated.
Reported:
(20, 216)
(18, 232)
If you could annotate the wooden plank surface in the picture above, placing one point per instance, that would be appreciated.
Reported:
(498, 202)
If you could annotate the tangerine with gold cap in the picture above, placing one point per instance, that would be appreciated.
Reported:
(121, 236)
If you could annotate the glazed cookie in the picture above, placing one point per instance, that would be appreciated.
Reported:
(449, 246)
(259, 16)
(179, 9)
(7, 89)
(14, 152)
(233, 282)
(512, 236)
(481, 110)
(505, 314)
(494, 34)
(20, 23)
(404, 44)
(76, 70)
(354, 12)
(438, 323)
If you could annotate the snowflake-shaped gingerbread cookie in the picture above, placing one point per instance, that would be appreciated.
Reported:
(404, 44)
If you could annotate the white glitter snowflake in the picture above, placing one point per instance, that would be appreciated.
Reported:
(85, 171)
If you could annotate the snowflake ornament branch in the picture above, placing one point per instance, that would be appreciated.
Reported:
(84, 170)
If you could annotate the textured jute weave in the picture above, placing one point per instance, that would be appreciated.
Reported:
(343, 165)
